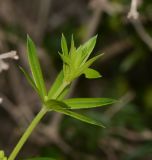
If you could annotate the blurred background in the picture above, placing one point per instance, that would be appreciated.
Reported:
(126, 39)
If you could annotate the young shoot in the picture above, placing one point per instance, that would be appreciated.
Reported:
(76, 61)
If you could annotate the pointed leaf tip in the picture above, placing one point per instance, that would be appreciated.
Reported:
(80, 117)
(64, 46)
(35, 66)
(91, 73)
(31, 82)
(61, 107)
(86, 103)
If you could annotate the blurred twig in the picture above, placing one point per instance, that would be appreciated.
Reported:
(4, 65)
(133, 13)
(116, 48)
(11, 54)
(128, 97)
(131, 135)
(98, 8)
(145, 37)
(12, 110)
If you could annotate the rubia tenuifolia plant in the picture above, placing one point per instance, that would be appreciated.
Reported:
(75, 63)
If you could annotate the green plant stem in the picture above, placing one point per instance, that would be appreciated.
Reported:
(60, 90)
(27, 133)
(34, 123)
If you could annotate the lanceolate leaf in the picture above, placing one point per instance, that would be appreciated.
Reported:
(83, 103)
(88, 47)
(62, 107)
(65, 59)
(64, 45)
(78, 59)
(91, 73)
(79, 116)
(53, 104)
(73, 53)
(56, 85)
(35, 66)
(89, 63)
(72, 48)
(64, 93)
(30, 80)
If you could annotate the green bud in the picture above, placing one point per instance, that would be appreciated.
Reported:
(76, 62)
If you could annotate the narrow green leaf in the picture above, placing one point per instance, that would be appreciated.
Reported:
(29, 79)
(78, 116)
(65, 59)
(84, 103)
(56, 84)
(53, 104)
(88, 47)
(61, 107)
(35, 66)
(73, 51)
(91, 73)
(89, 63)
(64, 45)
(72, 45)
(31, 82)
(64, 93)
(78, 59)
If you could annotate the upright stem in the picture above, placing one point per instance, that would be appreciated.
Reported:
(34, 123)
(27, 133)
(60, 90)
